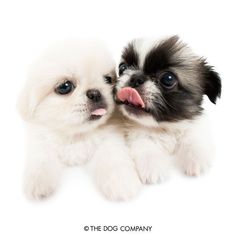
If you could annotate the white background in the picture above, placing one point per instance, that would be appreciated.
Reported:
(181, 206)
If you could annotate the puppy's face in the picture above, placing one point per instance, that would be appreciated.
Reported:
(163, 81)
(70, 87)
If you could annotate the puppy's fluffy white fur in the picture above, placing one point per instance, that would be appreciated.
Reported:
(58, 126)
(155, 148)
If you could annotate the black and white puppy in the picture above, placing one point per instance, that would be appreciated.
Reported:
(160, 87)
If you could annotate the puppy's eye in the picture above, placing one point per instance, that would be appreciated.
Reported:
(122, 68)
(65, 88)
(108, 79)
(168, 80)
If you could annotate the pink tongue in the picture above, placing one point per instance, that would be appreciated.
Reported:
(131, 95)
(99, 112)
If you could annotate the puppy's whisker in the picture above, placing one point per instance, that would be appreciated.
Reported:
(80, 105)
(167, 103)
(80, 110)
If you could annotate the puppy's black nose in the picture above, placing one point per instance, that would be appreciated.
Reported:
(136, 80)
(94, 95)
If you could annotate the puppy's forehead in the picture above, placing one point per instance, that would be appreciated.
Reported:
(130, 55)
(159, 53)
(135, 52)
(73, 58)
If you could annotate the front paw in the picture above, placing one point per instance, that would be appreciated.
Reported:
(39, 185)
(195, 167)
(120, 185)
(151, 168)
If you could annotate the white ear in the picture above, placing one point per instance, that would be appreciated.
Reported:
(26, 104)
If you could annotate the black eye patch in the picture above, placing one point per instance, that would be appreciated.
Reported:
(130, 56)
(161, 56)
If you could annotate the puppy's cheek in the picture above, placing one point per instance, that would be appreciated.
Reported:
(147, 120)
(109, 100)
(110, 106)
(75, 119)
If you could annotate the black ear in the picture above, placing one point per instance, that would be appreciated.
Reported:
(212, 86)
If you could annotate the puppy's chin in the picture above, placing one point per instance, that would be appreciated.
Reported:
(139, 116)
(91, 122)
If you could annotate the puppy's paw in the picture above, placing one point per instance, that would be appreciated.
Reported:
(39, 185)
(152, 169)
(195, 167)
(120, 185)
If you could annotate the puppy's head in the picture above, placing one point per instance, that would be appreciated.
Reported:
(163, 81)
(70, 87)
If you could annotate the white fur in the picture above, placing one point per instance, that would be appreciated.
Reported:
(112, 168)
(186, 142)
(59, 131)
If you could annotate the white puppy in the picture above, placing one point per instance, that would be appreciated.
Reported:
(160, 90)
(66, 103)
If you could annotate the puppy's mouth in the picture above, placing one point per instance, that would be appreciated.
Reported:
(98, 113)
(132, 100)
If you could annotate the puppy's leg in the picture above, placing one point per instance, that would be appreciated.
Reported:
(195, 151)
(114, 170)
(151, 159)
(77, 153)
(42, 171)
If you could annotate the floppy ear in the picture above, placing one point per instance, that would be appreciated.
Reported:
(26, 104)
(212, 85)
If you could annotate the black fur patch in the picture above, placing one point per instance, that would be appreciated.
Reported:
(160, 57)
(130, 56)
(176, 105)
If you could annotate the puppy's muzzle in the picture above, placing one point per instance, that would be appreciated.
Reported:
(98, 106)
(136, 80)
